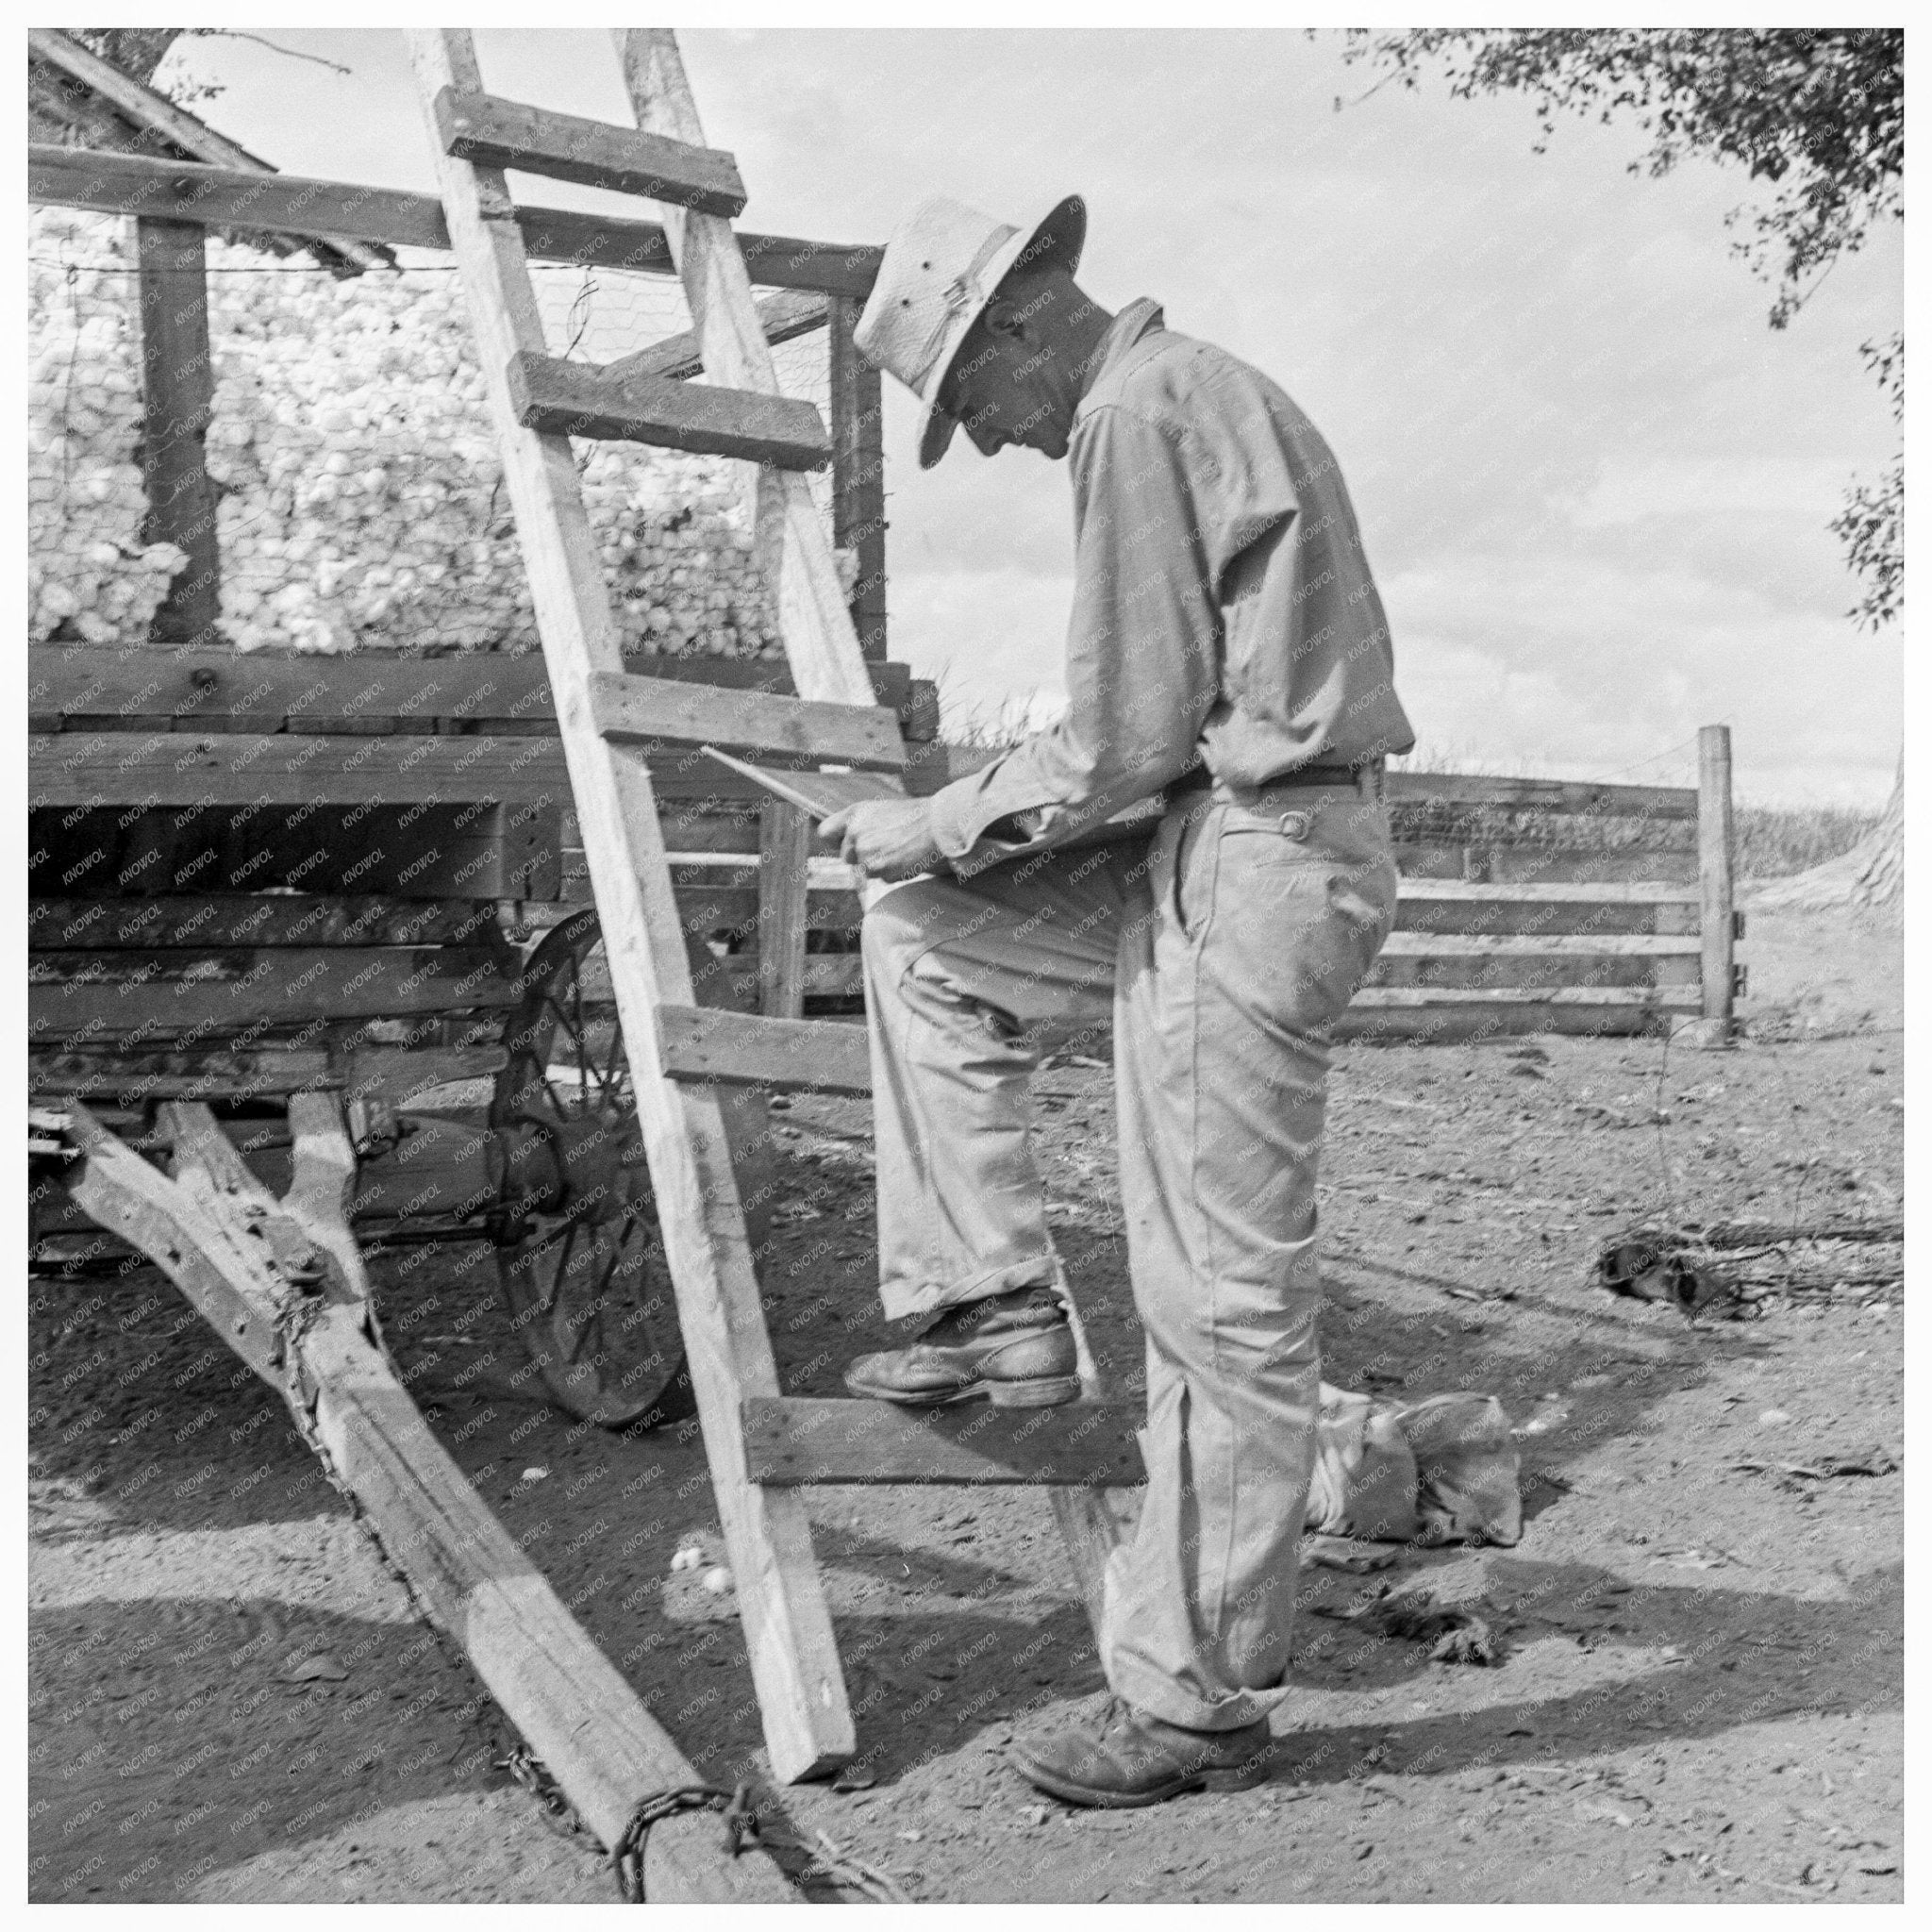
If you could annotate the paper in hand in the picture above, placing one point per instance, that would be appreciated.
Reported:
(821, 793)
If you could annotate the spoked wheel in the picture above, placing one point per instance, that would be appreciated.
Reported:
(581, 1264)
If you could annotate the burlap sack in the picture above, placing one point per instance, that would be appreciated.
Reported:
(1443, 1470)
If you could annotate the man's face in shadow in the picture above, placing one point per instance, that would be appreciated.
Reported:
(1007, 385)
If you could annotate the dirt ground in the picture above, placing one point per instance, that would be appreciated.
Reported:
(1698, 1694)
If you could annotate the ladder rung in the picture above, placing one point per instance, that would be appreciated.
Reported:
(584, 399)
(792, 1441)
(497, 133)
(706, 1044)
(630, 709)
(783, 317)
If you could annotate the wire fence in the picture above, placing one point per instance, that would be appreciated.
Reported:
(361, 496)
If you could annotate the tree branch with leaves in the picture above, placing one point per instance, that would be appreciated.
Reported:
(1818, 113)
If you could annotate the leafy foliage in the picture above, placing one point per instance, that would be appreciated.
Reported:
(1818, 112)
(1872, 526)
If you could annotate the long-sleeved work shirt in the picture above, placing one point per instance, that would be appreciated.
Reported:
(1223, 614)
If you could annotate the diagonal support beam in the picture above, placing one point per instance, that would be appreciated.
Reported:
(208, 1231)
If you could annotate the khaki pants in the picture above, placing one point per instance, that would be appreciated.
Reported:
(1224, 950)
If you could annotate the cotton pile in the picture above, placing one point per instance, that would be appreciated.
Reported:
(87, 567)
(361, 499)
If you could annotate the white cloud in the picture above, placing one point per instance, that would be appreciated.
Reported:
(1804, 490)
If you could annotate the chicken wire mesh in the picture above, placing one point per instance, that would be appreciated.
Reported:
(362, 500)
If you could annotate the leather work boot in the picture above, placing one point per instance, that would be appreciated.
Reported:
(1015, 1348)
(1117, 1756)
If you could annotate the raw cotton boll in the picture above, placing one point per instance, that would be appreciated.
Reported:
(356, 455)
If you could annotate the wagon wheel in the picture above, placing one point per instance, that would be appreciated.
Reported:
(580, 1262)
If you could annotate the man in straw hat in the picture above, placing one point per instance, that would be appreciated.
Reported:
(1229, 675)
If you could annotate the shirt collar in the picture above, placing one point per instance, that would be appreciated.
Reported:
(1135, 320)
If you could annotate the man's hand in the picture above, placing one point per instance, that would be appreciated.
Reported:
(884, 838)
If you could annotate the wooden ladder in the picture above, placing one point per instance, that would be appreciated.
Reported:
(760, 1446)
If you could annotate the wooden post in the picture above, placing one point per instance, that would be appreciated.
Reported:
(1714, 874)
(178, 378)
(859, 474)
(783, 849)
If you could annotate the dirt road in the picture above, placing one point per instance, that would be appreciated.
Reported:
(1699, 1691)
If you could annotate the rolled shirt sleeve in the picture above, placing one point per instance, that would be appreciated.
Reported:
(1144, 649)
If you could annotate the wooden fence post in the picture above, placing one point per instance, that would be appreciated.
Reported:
(784, 857)
(859, 474)
(177, 380)
(1714, 850)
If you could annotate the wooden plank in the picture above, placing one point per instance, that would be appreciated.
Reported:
(1467, 970)
(777, 261)
(1506, 918)
(1715, 893)
(715, 909)
(348, 211)
(192, 685)
(784, 317)
(1450, 1017)
(205, 1074)
(1431, 946)
(784, 846)
(793, 547)
(859, 474)
(232, 994)
(1544, 795)
(592, 400)
(794, 1441)
(391, 1077)
(424, 851)
(788, 1628)
(1544, 864)
(699, 1044)
(631, 710)
(498, 133)
(242, 919)
(827, 976)
(150, 768)
(143, 683)
(1582, 997)
(178, 387)
(1551, 893)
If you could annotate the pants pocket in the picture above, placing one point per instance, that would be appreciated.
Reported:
(1197, 872)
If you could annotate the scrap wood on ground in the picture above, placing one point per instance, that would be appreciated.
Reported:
(1679, 1265)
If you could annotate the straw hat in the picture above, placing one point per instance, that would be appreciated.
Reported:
(940, 272)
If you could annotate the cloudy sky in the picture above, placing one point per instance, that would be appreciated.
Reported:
(1593, 483)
